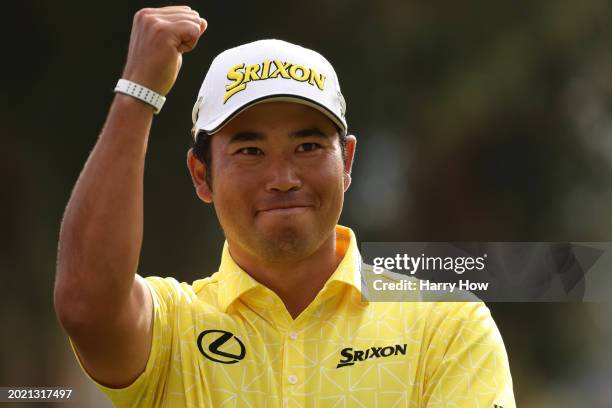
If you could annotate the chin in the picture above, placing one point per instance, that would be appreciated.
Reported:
(287, 241)
(282, 226)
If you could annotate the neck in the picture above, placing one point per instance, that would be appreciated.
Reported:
(297, 283)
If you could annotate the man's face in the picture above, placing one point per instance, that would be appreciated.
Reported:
(278, 180)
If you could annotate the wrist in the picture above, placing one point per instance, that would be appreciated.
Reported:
(140, 93)
(132, 105)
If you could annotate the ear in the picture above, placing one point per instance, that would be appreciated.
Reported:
(351, 144)
(198, 176)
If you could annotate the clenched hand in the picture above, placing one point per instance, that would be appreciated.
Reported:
(159, 38)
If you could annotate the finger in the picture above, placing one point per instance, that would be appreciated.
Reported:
(188, 35)
(180, 17)
(162, 12)
(150, 16)
(177, 15)
(173, 9)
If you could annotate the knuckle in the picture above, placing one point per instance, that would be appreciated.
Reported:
(158, 27)
(191, 32)
(146, 18)
(144, 12)
(196, 32)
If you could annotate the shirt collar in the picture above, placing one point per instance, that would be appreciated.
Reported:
(234, 281)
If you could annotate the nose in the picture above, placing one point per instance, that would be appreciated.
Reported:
(282, 175)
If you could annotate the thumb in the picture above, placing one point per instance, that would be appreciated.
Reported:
(203, 25)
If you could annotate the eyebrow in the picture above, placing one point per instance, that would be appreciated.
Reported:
(249, 136)
(315, 131)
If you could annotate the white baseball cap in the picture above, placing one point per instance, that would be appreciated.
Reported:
(266, 71)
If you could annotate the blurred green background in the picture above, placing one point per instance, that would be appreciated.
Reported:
(476, 120)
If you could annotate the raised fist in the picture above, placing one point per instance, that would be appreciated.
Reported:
(159, 38)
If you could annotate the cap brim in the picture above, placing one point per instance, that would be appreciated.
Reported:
(215, 126)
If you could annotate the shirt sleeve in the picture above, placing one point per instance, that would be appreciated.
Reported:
(466, 361)
(148, 389)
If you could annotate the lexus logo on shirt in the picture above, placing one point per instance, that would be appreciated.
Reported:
(210, 343)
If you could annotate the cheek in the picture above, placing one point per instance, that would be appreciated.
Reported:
(229, 193)
(329, 180)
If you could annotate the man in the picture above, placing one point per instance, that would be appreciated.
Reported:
(284, 322)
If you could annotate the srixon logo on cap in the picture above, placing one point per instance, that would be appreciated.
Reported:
(242, 74)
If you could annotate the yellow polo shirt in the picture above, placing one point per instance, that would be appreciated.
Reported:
(228, 341)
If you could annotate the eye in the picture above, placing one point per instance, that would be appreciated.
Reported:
(308, 147)
(250, 151)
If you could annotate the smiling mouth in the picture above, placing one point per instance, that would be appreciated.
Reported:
(296, 209)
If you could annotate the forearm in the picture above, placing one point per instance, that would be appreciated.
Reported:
(101, 233)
